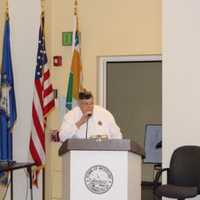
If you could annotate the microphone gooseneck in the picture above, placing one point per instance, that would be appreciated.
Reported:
(86, 131)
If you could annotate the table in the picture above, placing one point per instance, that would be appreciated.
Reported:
(16, 166)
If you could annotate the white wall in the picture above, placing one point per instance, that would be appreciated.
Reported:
(181, 75)
(24, 19)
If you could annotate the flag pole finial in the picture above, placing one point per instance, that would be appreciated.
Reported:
(76, 13)
(7, 10)
(75, 7)
(42, 14)
(42, 8)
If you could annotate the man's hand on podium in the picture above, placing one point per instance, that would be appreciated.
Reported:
(54, 134)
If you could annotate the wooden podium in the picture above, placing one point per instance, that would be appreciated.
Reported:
(101, 169)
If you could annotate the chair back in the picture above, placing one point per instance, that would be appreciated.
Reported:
(185, 166)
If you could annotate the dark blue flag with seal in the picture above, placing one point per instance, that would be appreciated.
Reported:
(8, 113)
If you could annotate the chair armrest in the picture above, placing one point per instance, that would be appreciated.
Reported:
(198, 188)
(157, 177)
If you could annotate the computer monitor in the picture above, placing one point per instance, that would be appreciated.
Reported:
(153, 143)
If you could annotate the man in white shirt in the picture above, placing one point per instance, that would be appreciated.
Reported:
(88, 120)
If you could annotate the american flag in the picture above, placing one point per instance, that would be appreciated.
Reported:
(43, 102)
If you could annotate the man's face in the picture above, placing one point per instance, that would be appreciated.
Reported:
(86, 105)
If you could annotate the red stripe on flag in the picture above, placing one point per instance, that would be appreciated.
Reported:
(34, 153)
(48, 91)
(48, 107)
(39, 89)
(46, 75)
(39, 129)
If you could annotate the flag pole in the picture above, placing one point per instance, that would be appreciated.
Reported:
(40, 109)
(75, 77)
(42, 26)
(11, 138)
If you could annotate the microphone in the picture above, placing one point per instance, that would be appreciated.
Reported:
(86, 131)
(89, 115)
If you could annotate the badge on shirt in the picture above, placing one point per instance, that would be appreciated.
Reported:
(100, 123)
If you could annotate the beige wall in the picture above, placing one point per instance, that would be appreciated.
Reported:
(114, 27)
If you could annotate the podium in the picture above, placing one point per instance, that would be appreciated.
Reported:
(101, 169)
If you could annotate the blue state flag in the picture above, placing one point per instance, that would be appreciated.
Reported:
(8, 113)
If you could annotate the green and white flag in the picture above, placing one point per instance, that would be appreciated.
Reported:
(75, 76)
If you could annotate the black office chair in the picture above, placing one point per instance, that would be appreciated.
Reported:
(183, 175)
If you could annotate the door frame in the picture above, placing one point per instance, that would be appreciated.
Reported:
(102, 71)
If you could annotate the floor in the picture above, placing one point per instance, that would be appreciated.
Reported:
(147, 192)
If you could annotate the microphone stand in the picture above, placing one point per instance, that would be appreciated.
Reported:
(86, 132)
